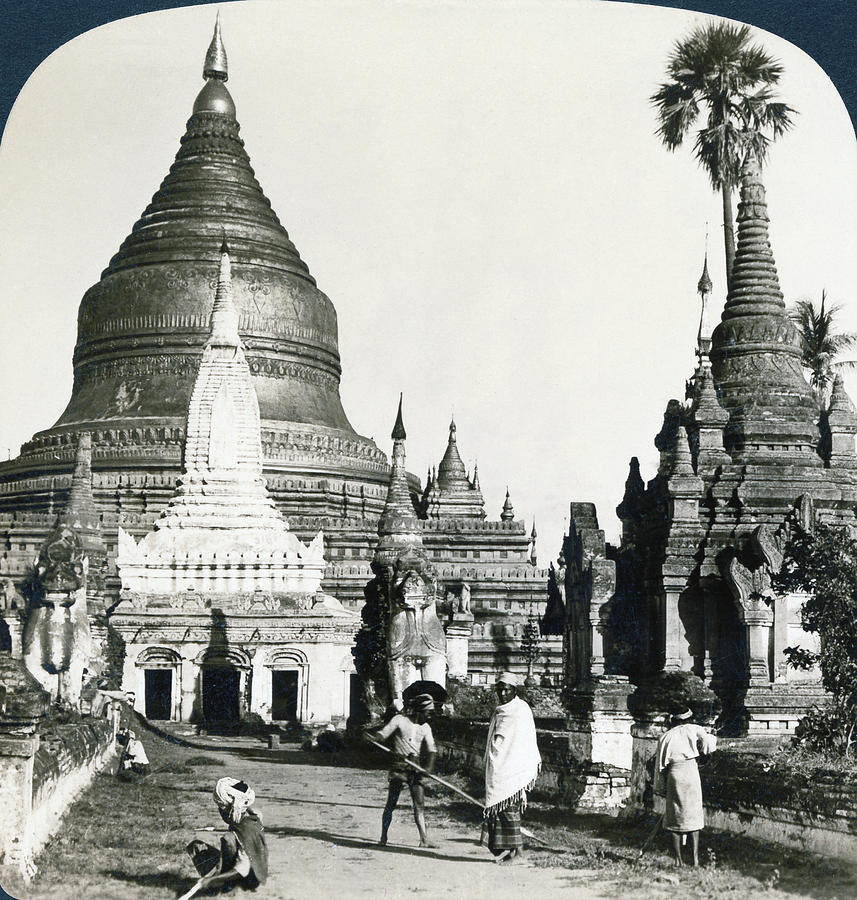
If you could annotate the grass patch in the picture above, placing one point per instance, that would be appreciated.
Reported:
(204, 761)
(127, 840)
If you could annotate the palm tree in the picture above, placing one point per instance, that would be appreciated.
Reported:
(717, 68)
(821, 344)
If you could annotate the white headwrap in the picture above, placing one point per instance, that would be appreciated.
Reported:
(234, 796)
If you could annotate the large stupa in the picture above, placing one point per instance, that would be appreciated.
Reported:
(142, 328)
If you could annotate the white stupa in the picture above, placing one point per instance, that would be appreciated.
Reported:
(221, 532)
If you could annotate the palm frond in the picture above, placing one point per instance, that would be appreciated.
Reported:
(716, 67)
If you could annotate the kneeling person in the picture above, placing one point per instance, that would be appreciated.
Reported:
(243, 853)
(411, 733)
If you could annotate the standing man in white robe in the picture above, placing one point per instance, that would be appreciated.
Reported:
(675, 765)
(512, 763)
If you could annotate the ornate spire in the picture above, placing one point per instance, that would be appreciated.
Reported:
(842, 425)
(451, 469)
(81, 515)
(81, 508)
(476, 476)
(682, 461)
(706, 408)
(399, 516)
(704, 285)
(215, 65)
(841, 411)
(703, 288)
(456, 496)
(224, 316)
(756, 353)
(665, 439)
(533, 535)
(508, 513)
(398, 433)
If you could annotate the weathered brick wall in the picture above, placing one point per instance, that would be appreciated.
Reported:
(564, 778)
(63, 750)
(811, 810)
(64, 764)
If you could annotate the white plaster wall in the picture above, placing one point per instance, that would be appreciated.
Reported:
(48, 812)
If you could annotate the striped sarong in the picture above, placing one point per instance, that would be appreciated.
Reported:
(504, 831)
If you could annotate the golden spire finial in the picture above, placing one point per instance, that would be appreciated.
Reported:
(215, 59)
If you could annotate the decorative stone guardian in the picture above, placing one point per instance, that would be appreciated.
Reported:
(406, 585)
(459, 630)
(57, 642)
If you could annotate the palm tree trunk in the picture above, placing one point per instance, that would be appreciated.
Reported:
(728, 232)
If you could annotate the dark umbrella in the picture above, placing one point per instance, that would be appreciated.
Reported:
(437, 691)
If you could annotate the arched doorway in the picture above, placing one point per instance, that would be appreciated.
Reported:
(223, 681)
(289, 685)
(160, 668)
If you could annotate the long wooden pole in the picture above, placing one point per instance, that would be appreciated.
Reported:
(431, 775)
(525, 831)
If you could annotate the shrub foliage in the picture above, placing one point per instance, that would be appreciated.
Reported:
(824, 564)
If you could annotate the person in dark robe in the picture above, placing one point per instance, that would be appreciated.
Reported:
(243, 853)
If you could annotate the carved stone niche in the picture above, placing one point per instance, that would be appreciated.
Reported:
(748, 571)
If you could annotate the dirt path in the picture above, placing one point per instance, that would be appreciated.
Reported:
(322, 818)
(322, 823)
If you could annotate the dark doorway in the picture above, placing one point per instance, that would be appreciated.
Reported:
(159, 693)
(357, 709)
(284, 694)
(220, 694)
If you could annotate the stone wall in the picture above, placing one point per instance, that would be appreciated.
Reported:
(64, 764)
(814, 811)
(746, 792)
(564, 779)
(39, 778)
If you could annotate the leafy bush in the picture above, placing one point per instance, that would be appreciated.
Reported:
(471, 701)
(824, 564)
(825, 731)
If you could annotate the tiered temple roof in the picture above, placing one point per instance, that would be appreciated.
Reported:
(451, 494)
(738, 469)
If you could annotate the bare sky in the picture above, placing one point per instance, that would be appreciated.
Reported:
(477, 187)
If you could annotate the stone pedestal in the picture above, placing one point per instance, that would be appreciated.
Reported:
(773, 710)
(458, 633)
(16, 800)
(599, 722)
